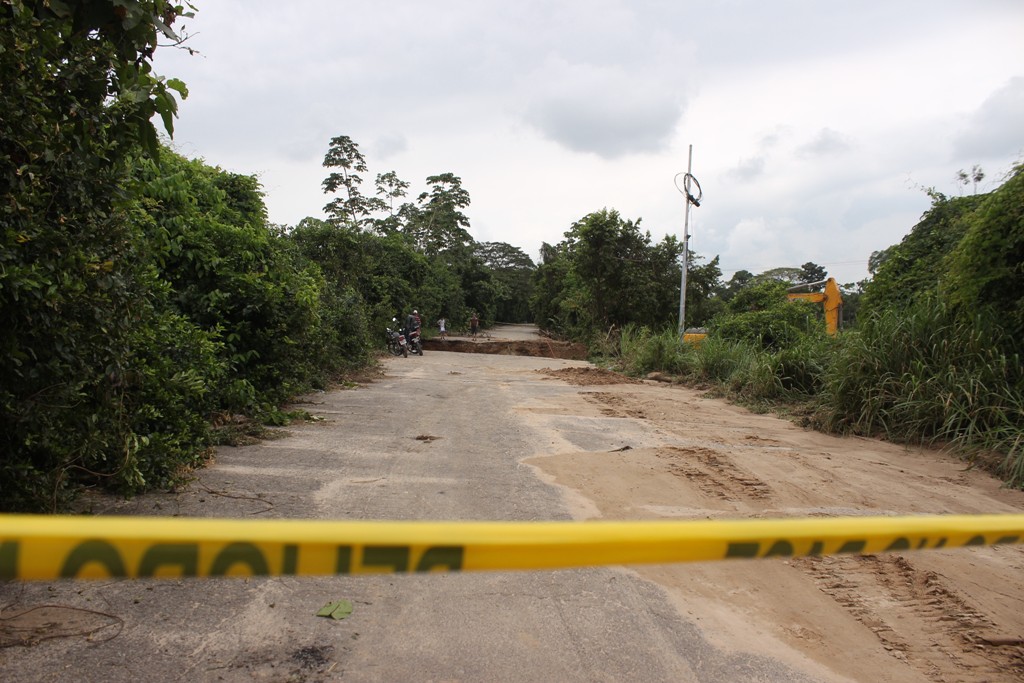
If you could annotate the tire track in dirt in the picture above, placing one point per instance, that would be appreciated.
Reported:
(918, 619)
(714, 473)
(711, 471)
(615, 405)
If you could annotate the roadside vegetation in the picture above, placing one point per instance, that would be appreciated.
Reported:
(934, 356)
(148, 307)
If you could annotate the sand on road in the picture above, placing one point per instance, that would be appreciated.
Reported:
(531, 438)
(948, 615)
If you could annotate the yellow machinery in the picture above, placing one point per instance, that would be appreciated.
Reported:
(695, 338)
(830, 298)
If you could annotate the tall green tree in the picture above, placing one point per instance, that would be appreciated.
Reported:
(739, 280)
(550, 287)
(389, 189)
(440, 225)
(76, 106)
(785, 274)
(811, 272)
(513, 274)
(352, 207)
(608, 273)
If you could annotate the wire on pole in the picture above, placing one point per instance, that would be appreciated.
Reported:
(689, 180)
(687, 190)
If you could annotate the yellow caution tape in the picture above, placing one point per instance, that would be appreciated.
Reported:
(50, 547)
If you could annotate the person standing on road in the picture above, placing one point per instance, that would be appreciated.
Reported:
(412, 321)
(441, 325)
(474, 323)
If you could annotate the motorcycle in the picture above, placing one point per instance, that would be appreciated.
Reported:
(397, 344)
(415, 343)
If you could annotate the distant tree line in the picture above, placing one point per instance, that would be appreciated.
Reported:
(931, 350)
(145, 300)
(607, 274)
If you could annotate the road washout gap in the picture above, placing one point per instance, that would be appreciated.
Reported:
(537, 348)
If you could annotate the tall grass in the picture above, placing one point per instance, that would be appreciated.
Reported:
(926, 376)
(641, 351)
(741, 369)
(919, 376)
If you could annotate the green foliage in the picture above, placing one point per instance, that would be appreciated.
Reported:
(703, 282)
(439, 226)
(811, 272)
(802, 366)
(512, 273)
(761, 315)
(419, 255)
(389, 188)
(925, 375)
(606, 273)
(75, 108)
(936, 360)
(986, 270)
(913, 267)
(784, 274)
(549, 288)
(642, 351)
(353, 207)
(936, 356)
(743, 370)
(232, 274)
(176, 370)
(377, 276)
(143, 298)
(739, 280)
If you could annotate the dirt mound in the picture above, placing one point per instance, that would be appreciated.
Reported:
(538, 348)
(589, 376)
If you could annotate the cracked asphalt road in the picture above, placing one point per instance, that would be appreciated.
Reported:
(364, 461)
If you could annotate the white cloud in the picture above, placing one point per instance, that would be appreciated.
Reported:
(748, 169)
(826, 142)
(807, 120)
(996, 128)
(389, 144)
(606, 110)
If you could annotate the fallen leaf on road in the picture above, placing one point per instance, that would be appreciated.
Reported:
(339, 609)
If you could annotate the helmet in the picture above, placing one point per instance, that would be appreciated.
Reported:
(415, 311)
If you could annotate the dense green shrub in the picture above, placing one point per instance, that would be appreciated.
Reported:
(762, 316)
(804, 364)
(176, 373)
(914, 266)
(642, 351)
(75, 106)
(232, 274)
(924, 375)
(986, 271)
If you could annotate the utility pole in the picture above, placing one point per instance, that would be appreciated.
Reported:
(690, 199)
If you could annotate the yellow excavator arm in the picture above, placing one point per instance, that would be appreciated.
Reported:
(830, 298)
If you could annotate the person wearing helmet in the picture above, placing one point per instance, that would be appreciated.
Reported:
(412, 321)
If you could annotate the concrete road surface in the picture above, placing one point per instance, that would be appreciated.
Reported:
(364, 461)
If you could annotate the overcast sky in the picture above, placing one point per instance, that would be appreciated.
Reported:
(815, 125)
